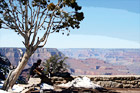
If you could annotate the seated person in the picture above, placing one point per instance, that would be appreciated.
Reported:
(35, 68)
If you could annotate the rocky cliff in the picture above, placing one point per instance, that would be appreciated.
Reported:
(13, 54)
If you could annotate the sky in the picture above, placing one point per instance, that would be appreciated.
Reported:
(107, 24)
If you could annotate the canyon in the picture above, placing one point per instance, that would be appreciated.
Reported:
(122, 60)
(85, 61)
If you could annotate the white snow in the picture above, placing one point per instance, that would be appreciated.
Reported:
(44, 86)
(2, 91)
(83, 82)
(17, 89)
(1, 84)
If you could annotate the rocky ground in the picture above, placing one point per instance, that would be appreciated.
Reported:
(78, 85)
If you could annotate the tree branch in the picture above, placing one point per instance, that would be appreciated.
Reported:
(22, 15)
(42, 17)
(15, 21)
(26, 17)
(47, 31)
(36, 28)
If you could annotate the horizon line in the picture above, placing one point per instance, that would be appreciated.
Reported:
(74, 48)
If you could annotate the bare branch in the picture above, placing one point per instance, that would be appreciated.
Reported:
(42, 22)
(36, 28)
(31, 22)
(26, 17)
(44, 42)
(47, 31)
(34, 14)
(31, 17)
(58, 24)
(6, 24)
(15, 21)
(19, 22)
(42, 17)
(22, 15)
(51, 22)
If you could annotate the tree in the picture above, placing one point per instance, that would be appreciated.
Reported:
(55, 64)
(30, 17)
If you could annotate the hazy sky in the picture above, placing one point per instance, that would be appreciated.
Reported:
(107, 24)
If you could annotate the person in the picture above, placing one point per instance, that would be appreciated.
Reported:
(35, 69)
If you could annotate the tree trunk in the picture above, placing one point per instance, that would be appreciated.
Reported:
(13, 75)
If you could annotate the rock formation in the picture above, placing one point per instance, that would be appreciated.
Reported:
(13, 54)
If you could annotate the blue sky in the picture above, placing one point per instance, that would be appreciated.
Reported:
(107, 24)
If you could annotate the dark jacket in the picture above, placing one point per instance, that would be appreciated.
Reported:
(35, 65)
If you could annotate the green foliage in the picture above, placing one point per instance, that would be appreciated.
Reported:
(55, 64)
(13, 14)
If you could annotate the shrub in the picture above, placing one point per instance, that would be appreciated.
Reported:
(55, 64)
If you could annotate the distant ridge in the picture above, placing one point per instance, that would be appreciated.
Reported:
(129, 58)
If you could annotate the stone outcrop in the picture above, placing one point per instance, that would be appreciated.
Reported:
(109, 81)
(117, 81)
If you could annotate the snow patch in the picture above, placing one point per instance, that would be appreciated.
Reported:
(17, 89)
(44, 86)
(2, 82)
(83, 82)
(2, 91)
(1, 86)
